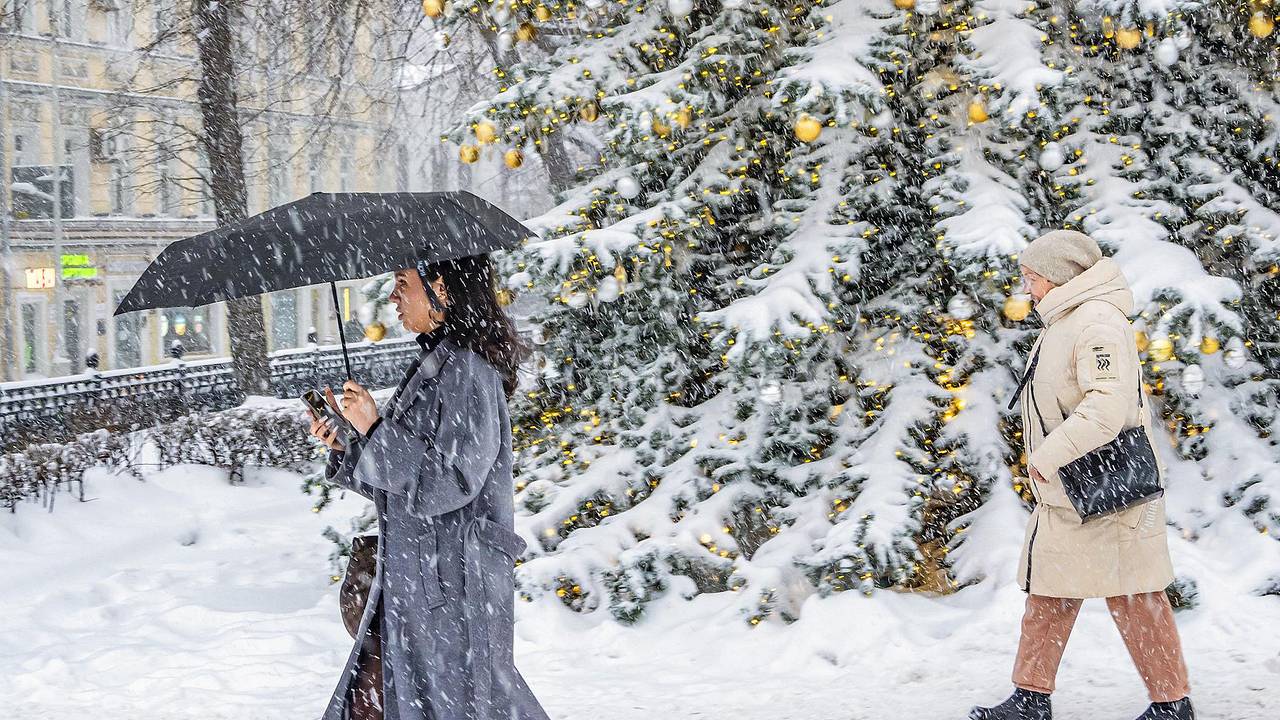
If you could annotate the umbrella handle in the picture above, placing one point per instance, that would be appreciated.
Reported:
(342, 335)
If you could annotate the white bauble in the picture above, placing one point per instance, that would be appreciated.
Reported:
(928, 7)
(1051, 157)
(576, 299)
(771, 393)
(680, 8)
(1193, 379)
(627, 187)
(961, 307)
(609, 289)
(519, 280)
(1167, 52)
(506, 40)
(539, 335)
(1235, 356)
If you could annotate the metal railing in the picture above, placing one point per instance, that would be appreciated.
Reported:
(58, 409)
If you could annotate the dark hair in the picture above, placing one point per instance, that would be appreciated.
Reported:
(475, 320)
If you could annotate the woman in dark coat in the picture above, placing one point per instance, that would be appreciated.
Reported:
(436, 460)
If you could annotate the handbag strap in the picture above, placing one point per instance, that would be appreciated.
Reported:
(1027, 379)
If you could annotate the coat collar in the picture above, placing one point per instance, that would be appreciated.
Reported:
(1103, 281)
(429, 366)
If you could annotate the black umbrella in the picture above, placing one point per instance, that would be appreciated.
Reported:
(322, 238)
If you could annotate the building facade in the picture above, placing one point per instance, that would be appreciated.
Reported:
(101, 168)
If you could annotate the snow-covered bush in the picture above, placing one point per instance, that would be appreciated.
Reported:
(39, 471)
(234, 439)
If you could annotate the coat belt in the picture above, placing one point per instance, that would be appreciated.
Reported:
(476, 613)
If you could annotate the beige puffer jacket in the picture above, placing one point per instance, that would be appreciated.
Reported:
(1088, 372)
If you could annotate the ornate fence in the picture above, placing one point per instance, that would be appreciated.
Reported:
(60, 408)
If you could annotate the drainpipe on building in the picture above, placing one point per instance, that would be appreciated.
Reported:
(8, 353)
(61, 363)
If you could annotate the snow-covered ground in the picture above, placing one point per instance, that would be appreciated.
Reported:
(185, 597)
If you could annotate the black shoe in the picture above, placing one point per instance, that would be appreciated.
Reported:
(1176, 710)
(1021, 705)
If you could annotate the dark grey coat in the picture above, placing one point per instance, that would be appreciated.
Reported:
(438, 468)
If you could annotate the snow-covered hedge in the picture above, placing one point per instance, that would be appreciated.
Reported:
(231, 439)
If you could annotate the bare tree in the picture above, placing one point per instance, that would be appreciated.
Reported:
(255, 64)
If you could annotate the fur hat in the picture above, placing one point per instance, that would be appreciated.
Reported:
(1060, 255)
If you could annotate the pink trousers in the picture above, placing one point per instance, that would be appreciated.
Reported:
(1145, 622)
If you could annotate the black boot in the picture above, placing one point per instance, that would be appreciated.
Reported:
(1021, 705)
(1176, 710)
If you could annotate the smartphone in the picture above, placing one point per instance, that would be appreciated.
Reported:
(321, 409)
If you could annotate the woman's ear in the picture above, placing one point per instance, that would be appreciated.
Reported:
(441, 291)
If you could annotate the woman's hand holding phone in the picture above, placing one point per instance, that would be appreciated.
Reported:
(324, 428)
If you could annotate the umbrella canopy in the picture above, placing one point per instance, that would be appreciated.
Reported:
(322, 238)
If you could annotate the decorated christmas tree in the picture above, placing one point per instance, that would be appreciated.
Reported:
(779, 322)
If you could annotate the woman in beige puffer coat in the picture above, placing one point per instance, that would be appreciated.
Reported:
(1085, 389)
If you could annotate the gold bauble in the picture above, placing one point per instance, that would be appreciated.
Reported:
(526, 32)
(433, 8)
(1140, 340)
(469, 153)
(1128, 38)
(1161, 349)
(589, 112)
(808, 128)
(978, 111)
(660, 128)
(1261, 24)
(542, 12)
(513, 158)
(486, 132)
(904, 4)
(375, 331)
(683, 117)
(1209, 345)
(505, 297)
(1016, 309)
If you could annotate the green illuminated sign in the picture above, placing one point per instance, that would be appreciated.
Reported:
(78, 267)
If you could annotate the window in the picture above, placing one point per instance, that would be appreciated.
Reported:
(188, 326)
(402, 168)
(71, 335)
(30, 338)
(284, 319)
(127, 340)
(346, 180)
(17, 14)
(317, 171)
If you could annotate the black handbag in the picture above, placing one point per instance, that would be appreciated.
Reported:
(361, 568)
(1112, 478)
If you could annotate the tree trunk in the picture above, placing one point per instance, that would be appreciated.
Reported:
(223, 146)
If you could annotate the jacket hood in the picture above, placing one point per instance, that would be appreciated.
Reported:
(1103, 281)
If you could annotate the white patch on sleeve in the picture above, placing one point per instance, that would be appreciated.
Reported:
(1104, 362)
